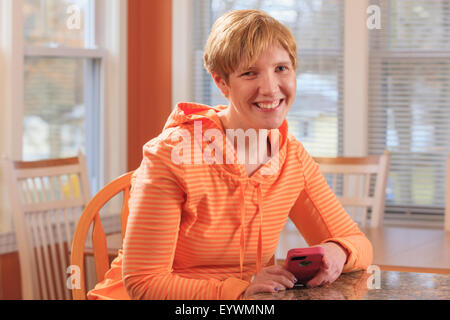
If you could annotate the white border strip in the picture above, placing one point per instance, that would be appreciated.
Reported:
(356, 77)
(182, 15)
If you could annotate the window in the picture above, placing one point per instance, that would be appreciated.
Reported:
(32, 55)
(409, 102)
(61, 82)
(316, 118)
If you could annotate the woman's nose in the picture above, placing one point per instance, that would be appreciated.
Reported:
(268, 85)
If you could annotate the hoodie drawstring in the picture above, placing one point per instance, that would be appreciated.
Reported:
(242, 241)
(259, 250)
(242, 237)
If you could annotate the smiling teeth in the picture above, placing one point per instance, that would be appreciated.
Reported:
(269, 106)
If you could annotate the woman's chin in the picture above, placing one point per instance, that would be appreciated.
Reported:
(271, 125)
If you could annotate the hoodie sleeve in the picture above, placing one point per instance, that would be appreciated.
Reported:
(151, 237)
(320, 218)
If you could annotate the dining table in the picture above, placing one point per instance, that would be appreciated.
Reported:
(371, 284)
(408, 263)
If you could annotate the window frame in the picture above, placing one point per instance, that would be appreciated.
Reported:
(95, 54)
(112, 71)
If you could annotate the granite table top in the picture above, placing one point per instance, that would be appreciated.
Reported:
(376, 285)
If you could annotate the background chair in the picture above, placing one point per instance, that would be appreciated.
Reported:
(360, 185)
(91, 218)
(47, 198)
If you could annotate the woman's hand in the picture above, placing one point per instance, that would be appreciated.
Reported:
(333, 262)
(271, 279)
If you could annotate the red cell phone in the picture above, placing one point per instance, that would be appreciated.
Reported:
(304, 263)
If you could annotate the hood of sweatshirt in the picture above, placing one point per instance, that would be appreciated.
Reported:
(197, 119)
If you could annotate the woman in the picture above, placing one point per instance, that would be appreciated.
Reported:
(205, 213)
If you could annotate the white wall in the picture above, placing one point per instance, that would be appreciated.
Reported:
(11, 94)
(181, 51)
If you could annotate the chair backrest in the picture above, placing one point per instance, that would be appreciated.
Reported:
(360, 185)
(447, 197)
(91, 217)
(47, 198)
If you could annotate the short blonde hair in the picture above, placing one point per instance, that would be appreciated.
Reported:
(241, 35)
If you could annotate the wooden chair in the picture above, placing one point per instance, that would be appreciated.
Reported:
(47, 198)
(447, 197)
(91, 217)
(360, 185)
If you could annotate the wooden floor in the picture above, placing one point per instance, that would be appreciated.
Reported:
(395, 248)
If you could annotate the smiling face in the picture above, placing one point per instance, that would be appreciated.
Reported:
(261, 95)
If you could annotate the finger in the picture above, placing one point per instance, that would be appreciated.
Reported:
(334, 276)
(325, 263)
(318, 279)
(261, 287)
(278, 286)
(280, 270)
(270, 285)
(286, 279)
(323, 278)
(282, 280)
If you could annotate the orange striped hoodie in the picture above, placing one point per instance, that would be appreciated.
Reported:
(201, 230)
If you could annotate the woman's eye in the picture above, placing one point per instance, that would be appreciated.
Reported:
(281, 68)
(248, 74)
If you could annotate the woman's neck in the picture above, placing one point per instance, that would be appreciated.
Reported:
(232, 122)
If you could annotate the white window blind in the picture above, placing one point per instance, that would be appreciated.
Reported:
(409, 102)
(316, 116)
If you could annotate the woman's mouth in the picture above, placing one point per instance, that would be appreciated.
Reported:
(269, 105)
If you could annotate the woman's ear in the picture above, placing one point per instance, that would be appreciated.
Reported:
(221, 84)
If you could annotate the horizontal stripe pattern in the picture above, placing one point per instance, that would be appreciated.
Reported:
(183, 234)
